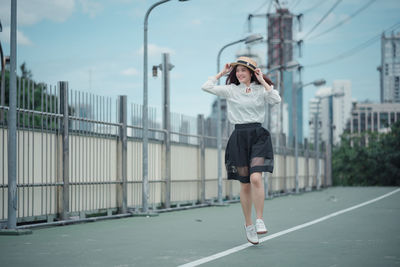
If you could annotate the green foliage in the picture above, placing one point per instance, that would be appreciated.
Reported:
(31, 96)
(378, 163)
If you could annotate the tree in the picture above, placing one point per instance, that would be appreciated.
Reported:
(35, 100)
(25, 73)
(378, 163)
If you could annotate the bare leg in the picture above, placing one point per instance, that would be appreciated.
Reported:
(257, 193)
(245, 200)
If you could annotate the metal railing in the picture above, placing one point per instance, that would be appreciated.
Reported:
(77, 157)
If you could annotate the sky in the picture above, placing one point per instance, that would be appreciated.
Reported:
(97, 46)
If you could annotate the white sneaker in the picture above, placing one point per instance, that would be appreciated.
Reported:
(260, 226)
(251, 234)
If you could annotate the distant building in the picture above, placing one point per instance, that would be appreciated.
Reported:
(374, 117)
(312, 110)
(341, 108)
(335, 109)
(390, 68)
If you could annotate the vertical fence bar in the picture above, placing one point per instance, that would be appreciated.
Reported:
(122, 192)
(57, 125)
(33, 147)
(50, 128)
(109, 150)
(102, 152)
(65, 146)
(79, 200)
(41, 149)
(19, 121)
(85, 175)
(74, 160)
(22, 129)
(91, 158)
(97, 155)
(46, 97)
(27, 145)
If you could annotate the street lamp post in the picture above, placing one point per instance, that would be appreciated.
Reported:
(247, 40)
(316, 136)
(295, 89)
(12, 124)
(145, 185)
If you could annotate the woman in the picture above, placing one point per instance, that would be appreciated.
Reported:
(249, 149)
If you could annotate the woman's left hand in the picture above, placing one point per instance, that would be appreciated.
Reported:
(260, 78)
(259, 75)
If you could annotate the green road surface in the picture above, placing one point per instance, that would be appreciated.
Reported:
(366, 236)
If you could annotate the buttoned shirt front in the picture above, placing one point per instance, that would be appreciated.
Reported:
(245, 104)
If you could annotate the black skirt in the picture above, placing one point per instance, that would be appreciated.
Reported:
(249, 150)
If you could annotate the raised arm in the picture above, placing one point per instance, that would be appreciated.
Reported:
(271, 95)
(219, 90)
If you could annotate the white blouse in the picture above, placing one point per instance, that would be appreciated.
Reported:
(244, 105)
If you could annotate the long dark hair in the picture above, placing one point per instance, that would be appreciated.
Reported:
(233, 79)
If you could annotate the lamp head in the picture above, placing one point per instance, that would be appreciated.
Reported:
(319, 82)
(292, 64)
(253, 38)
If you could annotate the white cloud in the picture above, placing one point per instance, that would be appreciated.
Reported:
(130, 72)
(30, 12)
(196, 22)
(155, 50)
(91, 8)
(21, 38)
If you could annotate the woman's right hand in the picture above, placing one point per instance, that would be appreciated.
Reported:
(227, 68)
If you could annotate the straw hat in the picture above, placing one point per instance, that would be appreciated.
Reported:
(245, 61)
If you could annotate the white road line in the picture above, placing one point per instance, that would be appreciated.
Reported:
(295, 228)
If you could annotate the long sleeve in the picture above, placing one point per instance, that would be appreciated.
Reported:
(219, 90)
(272, 97)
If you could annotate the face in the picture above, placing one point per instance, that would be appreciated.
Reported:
(243, 74)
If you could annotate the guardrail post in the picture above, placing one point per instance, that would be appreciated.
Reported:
(64, 195)
(325, 145)
(285, 152)
(122, 154)
(201, 132)
(307, 156)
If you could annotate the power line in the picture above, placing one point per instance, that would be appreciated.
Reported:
(258, 9)
(323, 18)
(313, 7)
(343, 21)
(295, 4)
(269, 7)
(354, 50)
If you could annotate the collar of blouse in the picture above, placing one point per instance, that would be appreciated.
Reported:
(247, 89)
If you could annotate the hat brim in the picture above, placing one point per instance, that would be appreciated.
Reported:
(248, 65)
